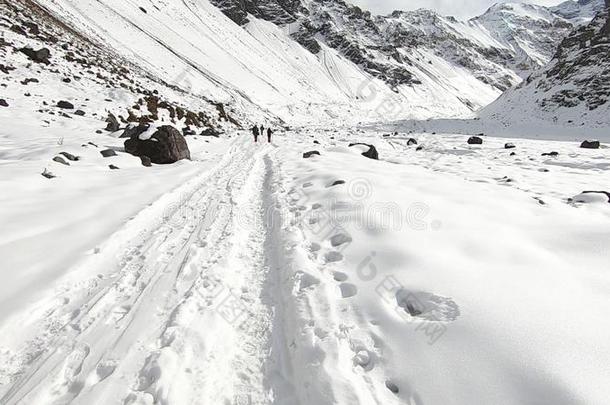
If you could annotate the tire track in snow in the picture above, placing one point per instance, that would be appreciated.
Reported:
(137, 318)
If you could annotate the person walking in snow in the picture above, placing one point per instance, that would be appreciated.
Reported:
(255, 133)
(269, 132)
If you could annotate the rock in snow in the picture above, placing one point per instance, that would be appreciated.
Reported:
(590, 145)
(371, 153)
(475, 140)
(307, 155)
(108, 153)
(166, 145)
(40, 56)
(66, 105)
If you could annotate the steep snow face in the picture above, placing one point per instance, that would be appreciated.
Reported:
(572, 90)
(530, 32)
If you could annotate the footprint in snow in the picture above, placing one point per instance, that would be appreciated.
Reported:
(427, 306)
(348, 290)
(333, 256)
(340, 239)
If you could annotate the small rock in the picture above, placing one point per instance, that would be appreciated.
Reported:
(134, 130)
(113, 167)
(145, 161)
(79, 113)
(108, 153)
(67, 80)
(509, 146)
(113, 123)
(412, 141)
(61, 160)
(70, 156)
(307, 155)
(419, 148)
(337, 183)
(475, 140)
(590, 145)
(25, 82)
(48, 174)
(553, 154)
(18, 29)
(316, 142)
(65, 105)
(3, 103)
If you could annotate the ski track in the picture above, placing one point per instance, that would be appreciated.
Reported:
(159, 320)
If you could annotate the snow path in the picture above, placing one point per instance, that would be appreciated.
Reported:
(149, 328)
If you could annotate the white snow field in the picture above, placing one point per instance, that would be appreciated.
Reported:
(447, 275)
(441, 274)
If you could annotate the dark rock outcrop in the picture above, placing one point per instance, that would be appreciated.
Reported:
(509, 146)
(165, 146)
(552, 154)
(3, 103)
(40, 56)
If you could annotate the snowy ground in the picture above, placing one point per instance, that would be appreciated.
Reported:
(447, 275)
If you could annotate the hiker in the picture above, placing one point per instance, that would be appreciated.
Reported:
(255, 133)
(269, 132)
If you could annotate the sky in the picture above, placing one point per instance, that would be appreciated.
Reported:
(459, 8)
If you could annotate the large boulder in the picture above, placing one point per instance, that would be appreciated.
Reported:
(590, 145)
(475, 140)
(371, 153)
(166, 145)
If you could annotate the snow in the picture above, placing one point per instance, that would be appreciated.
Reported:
(443, 273)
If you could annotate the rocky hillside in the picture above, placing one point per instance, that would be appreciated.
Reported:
(498, 48)
(573, 88)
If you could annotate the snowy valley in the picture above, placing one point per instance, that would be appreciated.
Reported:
(428, 223)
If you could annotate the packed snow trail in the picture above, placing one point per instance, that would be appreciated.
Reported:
(184, 318)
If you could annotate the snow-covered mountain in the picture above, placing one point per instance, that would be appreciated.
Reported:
(506, 43)
(311, 61)
(573, 89)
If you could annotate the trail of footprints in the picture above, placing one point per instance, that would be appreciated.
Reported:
(367, 348)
